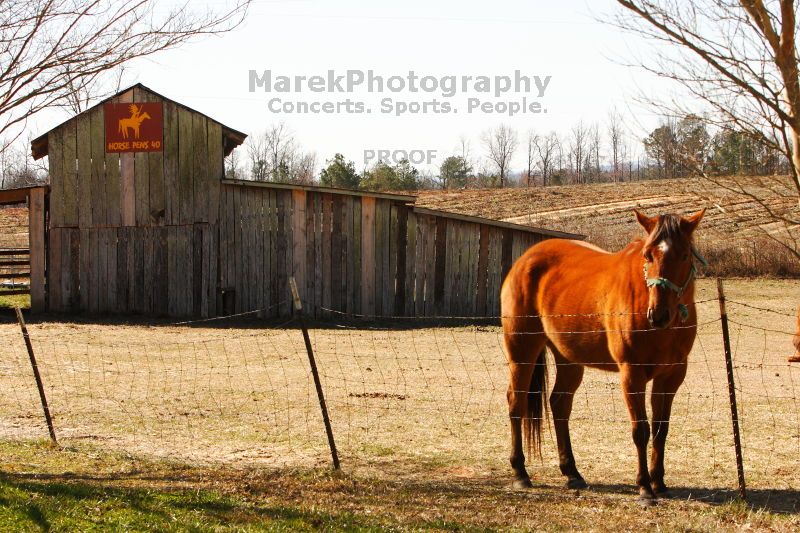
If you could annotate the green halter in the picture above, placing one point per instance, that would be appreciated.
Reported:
(667, 284)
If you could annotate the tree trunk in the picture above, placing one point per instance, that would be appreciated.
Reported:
(795, 133)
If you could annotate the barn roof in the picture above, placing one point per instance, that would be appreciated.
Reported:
(232, 138)
(406, 198)
(17, 194)
(499, 223)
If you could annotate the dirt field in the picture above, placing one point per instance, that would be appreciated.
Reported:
(590, 208)
(737, 233)
(411, 404)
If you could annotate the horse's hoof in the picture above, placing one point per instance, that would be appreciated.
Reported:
(646, 500)
(522, 484)
(576, 483)
(663, 493)
(660, 490)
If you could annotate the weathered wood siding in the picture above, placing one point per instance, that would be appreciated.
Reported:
(135, 232)
(162, 234)
(358, 255)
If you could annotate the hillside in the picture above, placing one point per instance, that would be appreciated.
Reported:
(602, 212)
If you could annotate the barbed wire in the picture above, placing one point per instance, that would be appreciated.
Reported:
(761, 328)
(402, 400)
(159, 324)
(486, 317)
(255, 312)
(759, 308)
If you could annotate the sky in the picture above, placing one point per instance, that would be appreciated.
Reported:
(563, 42)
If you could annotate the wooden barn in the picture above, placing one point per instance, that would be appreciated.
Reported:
(140, 219)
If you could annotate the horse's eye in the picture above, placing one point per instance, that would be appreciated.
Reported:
(648, 256)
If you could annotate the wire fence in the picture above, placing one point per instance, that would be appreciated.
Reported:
(406, 397)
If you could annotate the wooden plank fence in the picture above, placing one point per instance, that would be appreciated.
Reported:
(360, 254)
(352, 254)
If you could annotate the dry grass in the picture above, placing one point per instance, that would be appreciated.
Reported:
(418, 412)
(13, 227)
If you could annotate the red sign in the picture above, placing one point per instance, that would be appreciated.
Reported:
(134, 127)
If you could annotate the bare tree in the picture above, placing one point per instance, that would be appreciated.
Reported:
(560, 165)
(547, 148)
(624, 159)
(501, 143)
(233, 166)
(257, 157)
(738, 57)
(466, 156)
(614, 128)
(84, 92)
(533, 142)
(281, 147)
(275, 155)
(17, 169)
(578, 141)
(595, 142)
(304, 169)
(53, 50)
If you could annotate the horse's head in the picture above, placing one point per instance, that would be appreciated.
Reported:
(143, 117)
(669, 269)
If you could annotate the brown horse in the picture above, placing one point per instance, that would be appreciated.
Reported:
(630, 312)
(796, 357)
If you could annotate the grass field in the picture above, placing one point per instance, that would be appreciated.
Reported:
(216, 425)
(83, 489)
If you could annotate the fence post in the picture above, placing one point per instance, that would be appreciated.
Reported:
(314, 372)
(36, 375)
(737, 443)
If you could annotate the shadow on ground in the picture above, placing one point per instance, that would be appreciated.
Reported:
(77, 502)
(293, 482)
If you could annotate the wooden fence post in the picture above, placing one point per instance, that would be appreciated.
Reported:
(314, 372)
(737, 443)
(36, 232)
(36, 375)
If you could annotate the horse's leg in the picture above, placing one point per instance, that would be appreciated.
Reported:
(568, 378)
(664, 389)
(522, 352)
(633, 383)
(521, 375)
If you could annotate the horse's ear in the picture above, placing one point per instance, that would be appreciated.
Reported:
(648, 223)
(689, 224)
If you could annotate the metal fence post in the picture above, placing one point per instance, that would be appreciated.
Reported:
(36, 375)
(737, 443)
(317, 383)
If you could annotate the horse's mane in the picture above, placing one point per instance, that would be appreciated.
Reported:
(668, 228)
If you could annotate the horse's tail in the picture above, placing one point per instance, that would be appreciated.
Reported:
(537, 406)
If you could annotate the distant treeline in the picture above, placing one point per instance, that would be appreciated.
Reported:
(590, 153)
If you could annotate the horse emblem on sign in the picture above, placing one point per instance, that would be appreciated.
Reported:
(133, 122)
